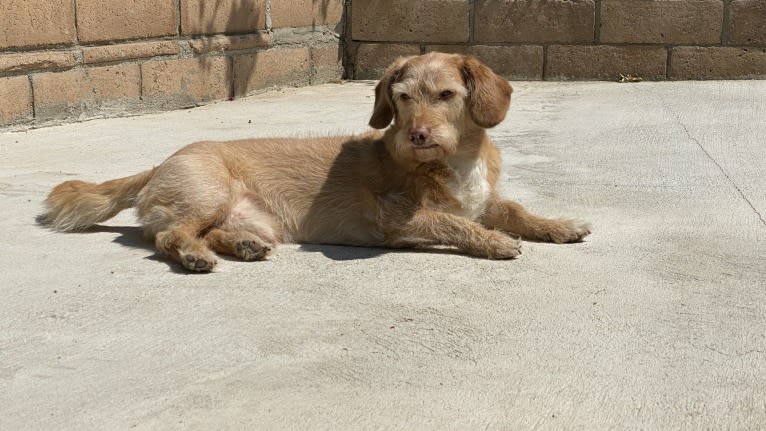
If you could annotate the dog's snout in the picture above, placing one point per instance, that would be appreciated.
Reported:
(419, 135)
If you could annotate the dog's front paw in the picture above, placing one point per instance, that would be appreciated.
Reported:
(502, 246)
(566, 231)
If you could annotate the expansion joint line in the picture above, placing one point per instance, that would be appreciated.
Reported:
(715, 162)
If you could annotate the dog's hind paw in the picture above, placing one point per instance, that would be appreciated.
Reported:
(249, 250)
(198, 263)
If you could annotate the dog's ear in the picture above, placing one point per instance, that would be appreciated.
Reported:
(383, 112)
(489, 95)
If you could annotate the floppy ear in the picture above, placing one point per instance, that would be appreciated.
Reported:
(383, 112)
(489, 95)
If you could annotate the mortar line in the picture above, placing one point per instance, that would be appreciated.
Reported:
(32, 96)
(267, 15)
(669, 63)
(597, 23)
(347, 43)
(178, 18)
(230, 66)
(715, 162)
(141, 82)
(471, 21)
(312, 69)
(726, 22)
(74, 13)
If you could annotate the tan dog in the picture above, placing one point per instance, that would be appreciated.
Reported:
(429, 179)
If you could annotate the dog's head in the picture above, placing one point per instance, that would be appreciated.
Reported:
(435, 99)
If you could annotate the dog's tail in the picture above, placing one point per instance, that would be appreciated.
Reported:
(77, 205)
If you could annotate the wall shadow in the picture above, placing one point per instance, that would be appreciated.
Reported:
(242, 19)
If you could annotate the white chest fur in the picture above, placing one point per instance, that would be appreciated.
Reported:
(470, 187)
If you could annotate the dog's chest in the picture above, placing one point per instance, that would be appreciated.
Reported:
(470, 187)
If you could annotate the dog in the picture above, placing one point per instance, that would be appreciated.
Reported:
(425, 177)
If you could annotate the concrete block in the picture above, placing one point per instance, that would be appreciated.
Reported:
(661, 21)
(511, 62)
(306, 13)
(718, 63)
(16, 97)
(534, 21)
(326, 63)
(747, 25)
(129, 51)
(371, 59)
(86, 91)
(99, 20)
(278, 67)
(222, 16)
(37, 61)
(222, 43)
(26, 23)
(303, 36)
(605, 62)
(185, 82)
(438, 21)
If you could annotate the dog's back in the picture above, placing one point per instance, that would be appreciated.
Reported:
(321, 190)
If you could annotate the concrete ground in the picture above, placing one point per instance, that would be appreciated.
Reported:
(657, 321)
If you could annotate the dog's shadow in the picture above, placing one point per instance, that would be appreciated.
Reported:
(343, 252)
(346, 253)
(133, 237)
(129, 236)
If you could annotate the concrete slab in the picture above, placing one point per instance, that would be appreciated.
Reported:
(656, 322)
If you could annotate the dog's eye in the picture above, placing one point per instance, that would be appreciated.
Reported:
(446, 94)
(405, 96)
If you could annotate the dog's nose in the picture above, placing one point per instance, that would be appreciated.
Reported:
(419, 135)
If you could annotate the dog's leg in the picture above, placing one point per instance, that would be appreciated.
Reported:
(514, 219)
(248, 231)
(428, 227)
(182, 243)
(241, 243)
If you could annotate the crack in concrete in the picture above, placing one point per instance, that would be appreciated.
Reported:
(715, 162)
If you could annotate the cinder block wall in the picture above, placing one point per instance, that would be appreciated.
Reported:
(567, 39)
(69, 59)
